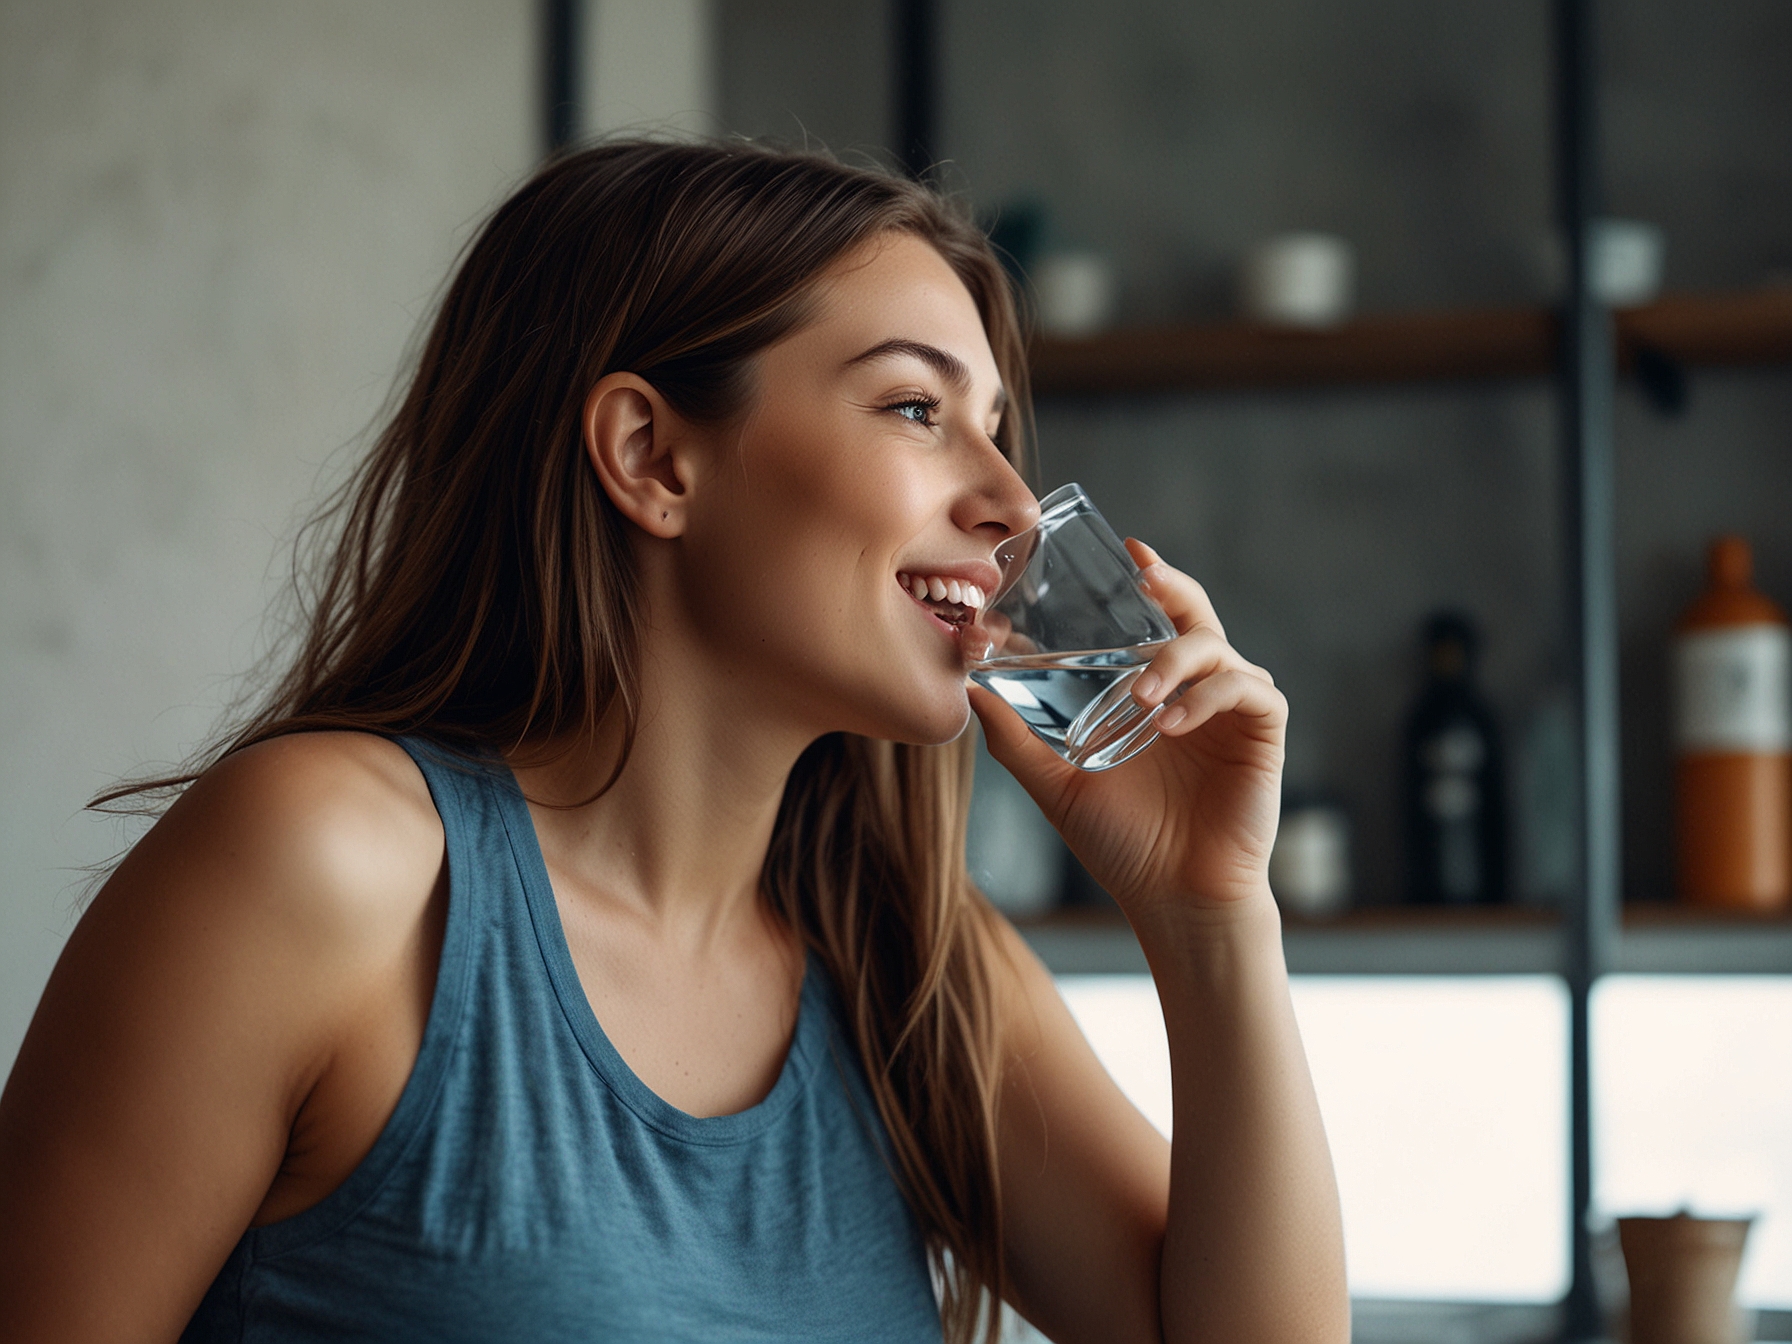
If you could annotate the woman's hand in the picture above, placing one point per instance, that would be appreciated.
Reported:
(1192, 819)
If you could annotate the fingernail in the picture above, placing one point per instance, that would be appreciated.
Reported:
(1172, 716)
(1148, 686)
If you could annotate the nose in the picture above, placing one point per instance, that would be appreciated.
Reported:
(997, 503)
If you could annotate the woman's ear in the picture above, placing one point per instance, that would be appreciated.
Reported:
(632, 438)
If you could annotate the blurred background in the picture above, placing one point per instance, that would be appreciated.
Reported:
(220, 225)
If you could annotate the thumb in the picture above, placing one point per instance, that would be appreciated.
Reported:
(1041, 771)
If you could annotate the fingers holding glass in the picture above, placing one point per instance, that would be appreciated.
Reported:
(1182, 598)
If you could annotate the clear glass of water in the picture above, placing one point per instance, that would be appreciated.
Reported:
(1068, 632)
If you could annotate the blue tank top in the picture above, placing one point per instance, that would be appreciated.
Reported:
(530, 1187)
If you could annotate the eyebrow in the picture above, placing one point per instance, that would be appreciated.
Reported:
(949, 366)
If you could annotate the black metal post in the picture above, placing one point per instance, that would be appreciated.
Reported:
(915, 47)
(1585, 378)
(560, 72)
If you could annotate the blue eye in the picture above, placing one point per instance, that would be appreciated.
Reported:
(916, 410)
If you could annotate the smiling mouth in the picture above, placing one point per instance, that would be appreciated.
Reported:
(952, 601)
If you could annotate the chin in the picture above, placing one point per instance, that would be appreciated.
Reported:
(935, 724)
(949, 733)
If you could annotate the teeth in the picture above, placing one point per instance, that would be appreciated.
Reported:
(943, 590)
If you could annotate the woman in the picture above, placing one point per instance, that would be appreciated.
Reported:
(616, 706)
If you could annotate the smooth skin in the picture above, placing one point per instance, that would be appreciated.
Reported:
(232, 1022)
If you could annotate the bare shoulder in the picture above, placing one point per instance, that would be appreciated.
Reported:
(272, 933)
(329, 834)
(287, 884)
(304, 863)
(332, 802)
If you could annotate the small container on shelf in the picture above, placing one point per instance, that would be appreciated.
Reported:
(1733, 741)
(1298, 280)
(1075, 292)
(1309, 868)
(1627, 262)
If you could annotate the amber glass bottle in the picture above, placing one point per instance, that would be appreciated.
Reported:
(1733, 741)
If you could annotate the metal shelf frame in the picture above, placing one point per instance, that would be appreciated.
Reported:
(1586, 379)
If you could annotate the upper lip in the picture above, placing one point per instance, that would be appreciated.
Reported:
(983, 573)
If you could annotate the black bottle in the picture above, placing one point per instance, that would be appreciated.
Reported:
(1454, 781)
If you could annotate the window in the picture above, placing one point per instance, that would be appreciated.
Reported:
(1446, 1103)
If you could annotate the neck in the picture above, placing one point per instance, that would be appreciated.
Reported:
(680, 838)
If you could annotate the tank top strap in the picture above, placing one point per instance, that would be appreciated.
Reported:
(469, 793)
(479, 803)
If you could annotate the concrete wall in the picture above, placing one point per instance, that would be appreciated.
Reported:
(647, 64)
(219, 224)
(1172, 135)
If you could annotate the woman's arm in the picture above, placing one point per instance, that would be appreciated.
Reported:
(1254, 1248)
(1233, 1232)
(202, 1001)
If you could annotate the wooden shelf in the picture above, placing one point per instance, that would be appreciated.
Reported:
(1510, 940)
(1697, 330)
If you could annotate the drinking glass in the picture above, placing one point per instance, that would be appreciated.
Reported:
(1068, 631)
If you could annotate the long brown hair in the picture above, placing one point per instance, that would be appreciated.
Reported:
(479, 588)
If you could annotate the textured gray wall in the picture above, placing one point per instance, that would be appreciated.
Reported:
(1172, 135)
(804, 72)
(218, 225)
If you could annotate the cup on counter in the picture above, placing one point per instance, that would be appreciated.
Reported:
(1298, 280)
(1682, 1275)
